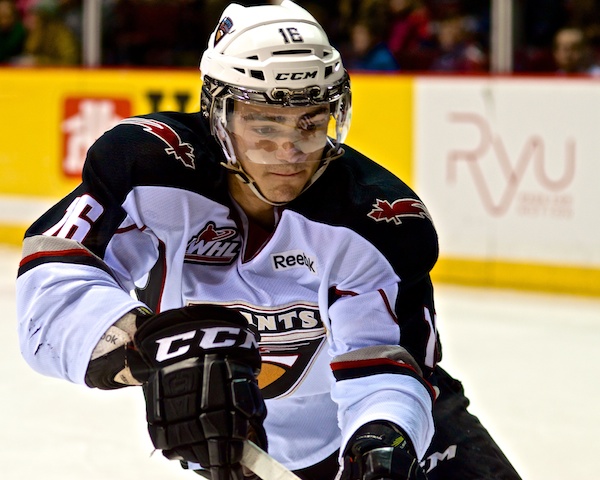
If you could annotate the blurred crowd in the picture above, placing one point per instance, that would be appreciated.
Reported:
(561, 36)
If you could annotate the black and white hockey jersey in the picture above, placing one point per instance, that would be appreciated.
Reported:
(343, 276)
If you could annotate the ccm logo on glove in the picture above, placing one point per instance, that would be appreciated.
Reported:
(206, 339)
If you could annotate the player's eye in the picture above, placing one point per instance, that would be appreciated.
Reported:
(309, 127)
(310, 123)
(264, 130)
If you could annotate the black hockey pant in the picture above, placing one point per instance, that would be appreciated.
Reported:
(462, 449)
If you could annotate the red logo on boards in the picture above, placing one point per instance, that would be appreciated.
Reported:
(84, 121)
(394, 212)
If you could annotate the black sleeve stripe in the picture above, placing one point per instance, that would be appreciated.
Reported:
(76, 256)
(347, 370)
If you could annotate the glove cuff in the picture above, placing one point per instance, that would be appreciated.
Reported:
(110, 362)
(376, 434)
(381, 450)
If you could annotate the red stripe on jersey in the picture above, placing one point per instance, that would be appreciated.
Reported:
(382, 362)
(55, 253)
(348, 293)
(129, 228)
(371, 362)
(387, 305)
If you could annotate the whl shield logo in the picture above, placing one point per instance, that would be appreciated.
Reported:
(394, 212)
(213, 246)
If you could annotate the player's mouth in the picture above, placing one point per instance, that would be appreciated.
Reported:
(287, 174)
(288, 170)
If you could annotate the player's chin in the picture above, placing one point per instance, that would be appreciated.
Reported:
(284, 193)
(291, 170)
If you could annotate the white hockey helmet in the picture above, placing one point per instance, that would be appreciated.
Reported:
(276, 55)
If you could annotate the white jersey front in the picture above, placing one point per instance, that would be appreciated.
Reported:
(344, 272)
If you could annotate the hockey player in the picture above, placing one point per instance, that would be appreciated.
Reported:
(243, 260)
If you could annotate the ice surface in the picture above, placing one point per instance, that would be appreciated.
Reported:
(529, 363)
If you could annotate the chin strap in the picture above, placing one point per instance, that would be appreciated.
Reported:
(246, 179)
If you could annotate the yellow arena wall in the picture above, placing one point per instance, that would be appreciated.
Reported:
(447, 137)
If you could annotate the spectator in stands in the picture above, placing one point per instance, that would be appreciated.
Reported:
(585, 14)
(71, 13)
(541, 19)
(12, 31)
(459, 51)
(23, 6)
(49, 41)
(152, 32)
(409, 32)
(368, 50)
(572, 53)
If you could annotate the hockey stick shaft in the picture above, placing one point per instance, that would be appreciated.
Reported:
(264, 465)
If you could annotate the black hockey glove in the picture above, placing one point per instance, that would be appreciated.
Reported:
(380, 451)
(199, 373)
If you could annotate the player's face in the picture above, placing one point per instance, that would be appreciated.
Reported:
(279, 147)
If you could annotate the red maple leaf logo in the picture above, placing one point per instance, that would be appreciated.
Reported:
(404, 207)
(182, 151)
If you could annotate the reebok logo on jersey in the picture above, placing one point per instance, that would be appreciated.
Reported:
(293, 259)
(182, 151)
(213, 245)
(394, 212)
(209, 338)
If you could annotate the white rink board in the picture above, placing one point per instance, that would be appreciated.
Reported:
(529, 363)
(510, 168)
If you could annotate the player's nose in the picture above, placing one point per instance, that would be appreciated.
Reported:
(288, 152)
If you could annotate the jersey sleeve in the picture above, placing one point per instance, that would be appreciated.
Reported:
(383, 339)
(72, 282)
(377, 376)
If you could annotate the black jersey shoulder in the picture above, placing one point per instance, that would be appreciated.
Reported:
(159, 149)
(357, 193)
(163, 149)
